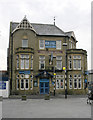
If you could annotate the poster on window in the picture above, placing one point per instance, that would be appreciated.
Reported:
(50, 44)
(2, 84)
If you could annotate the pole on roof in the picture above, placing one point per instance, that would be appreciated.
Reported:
(54, 20)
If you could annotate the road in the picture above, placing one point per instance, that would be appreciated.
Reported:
(40, 108)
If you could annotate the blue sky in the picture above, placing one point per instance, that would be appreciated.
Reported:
(71, 15)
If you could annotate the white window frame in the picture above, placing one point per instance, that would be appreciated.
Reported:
(24, 61)
(59, 82)
(57, 62)
(31, 62)
(41, 44)
(25, 46)
(20, 84)
(76, 83)
(71, 44)
(75, 64)
(70, 81)
(58, 44)
(59, 59)
(80, 83)
(70, 63)
(31, 82)
(25, 84)
(41, 62)
(17, 61)
(17, 84)
(26, 76)
(79, 68)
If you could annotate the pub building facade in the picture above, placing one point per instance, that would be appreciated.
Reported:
(36, 52)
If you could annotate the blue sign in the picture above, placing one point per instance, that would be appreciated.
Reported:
(2, 85)
(86, 72)
(24, 72)
(50, 44)
(52, 83)
(85, 80)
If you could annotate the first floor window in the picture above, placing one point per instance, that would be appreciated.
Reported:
(22, 84)
(31, 62)
(17, 61)
(41, 44)
(74, 62)
(42, 65)
(59, 64)
(58, 44)
(17, 83)
(79, 64)
(22, 63)
(27, 64)
(70, 64)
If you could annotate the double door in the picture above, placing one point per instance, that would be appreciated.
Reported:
(44, 86)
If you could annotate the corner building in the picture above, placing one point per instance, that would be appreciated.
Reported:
(36, 52)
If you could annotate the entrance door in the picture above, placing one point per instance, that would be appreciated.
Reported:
(44, 86)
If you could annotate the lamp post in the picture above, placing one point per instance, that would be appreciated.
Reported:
(65, 69)
(54, 81)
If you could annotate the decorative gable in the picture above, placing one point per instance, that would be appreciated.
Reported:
(24, 24)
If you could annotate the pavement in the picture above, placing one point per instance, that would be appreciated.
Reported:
(72, 107)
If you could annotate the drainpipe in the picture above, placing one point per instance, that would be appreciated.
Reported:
(11, 62)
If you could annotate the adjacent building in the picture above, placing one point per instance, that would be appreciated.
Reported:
(36, 52)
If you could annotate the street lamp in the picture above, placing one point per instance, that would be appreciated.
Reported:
(65, 69)
(54, 81)
(65, 83)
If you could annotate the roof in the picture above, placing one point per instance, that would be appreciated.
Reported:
(42, 29)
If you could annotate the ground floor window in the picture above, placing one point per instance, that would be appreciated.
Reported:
(22, 84)
(59, 83)
(17, 83)
(77, 81)
(31, 84)
(26, 84)
(70, 81)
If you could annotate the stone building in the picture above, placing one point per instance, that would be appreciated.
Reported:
(36, 52)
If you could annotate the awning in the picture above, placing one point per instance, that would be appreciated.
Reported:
(44, 74)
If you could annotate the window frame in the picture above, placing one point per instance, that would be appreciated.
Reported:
(24, 46)
(41, 45)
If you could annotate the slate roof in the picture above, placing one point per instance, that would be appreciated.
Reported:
(45, 29)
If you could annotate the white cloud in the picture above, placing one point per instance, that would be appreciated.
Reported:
(70, 15)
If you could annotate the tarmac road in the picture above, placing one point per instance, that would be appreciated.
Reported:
(40, 108)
